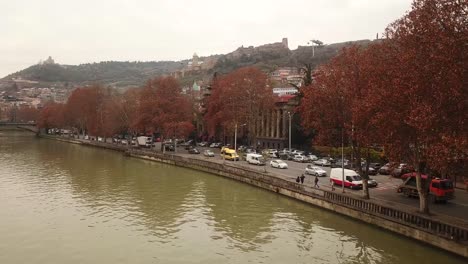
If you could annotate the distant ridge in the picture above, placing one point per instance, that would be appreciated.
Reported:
(123, 74)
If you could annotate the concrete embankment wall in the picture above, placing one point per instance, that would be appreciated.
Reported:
(450, 235)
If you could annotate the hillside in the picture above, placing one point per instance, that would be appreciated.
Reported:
(114, 73)
(117, 74)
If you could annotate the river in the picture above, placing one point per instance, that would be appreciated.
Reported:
(65, 203)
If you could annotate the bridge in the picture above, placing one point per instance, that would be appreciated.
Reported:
(28, 126)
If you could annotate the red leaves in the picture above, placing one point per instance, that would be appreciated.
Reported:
(163, 108)
(51, 116)
(238, 97)
(407, 92)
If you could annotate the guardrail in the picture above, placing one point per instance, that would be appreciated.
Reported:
(420, 222)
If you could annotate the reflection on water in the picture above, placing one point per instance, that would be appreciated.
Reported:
(65, 203)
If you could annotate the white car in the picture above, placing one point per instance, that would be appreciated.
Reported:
(313, 157)
(300, 158)
(124, 141)
(316, 171)
(322, 162)
(278, 164)
(208, 153)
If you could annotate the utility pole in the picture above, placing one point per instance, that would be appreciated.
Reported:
(342, 162)
(235, 137)
(289, 114)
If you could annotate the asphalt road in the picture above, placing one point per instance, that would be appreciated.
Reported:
(386, 189)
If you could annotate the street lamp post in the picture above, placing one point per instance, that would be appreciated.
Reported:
(289, 114)
(342, 162)
(235, 136)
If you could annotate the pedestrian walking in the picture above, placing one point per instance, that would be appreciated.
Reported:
(302, 178)
(332, 185)
(298, 179)
(316, 182)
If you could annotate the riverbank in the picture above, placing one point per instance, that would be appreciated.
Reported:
(445, 233)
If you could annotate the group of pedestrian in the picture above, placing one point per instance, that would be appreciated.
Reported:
(300, 179)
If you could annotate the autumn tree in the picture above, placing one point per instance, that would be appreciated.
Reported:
(164, 109)
(335, 106)
(422, 111)
(51, 116)
(239, 97)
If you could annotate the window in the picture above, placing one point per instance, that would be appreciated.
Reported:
(446, 185)
(435, 185)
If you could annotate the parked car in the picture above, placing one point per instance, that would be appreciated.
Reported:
(193, 151)
(339, 164)
(216, 145)
(124, 141)
(372, 183)
(313, 157)
(371, 171)
(386, 169)
(375, 166)
(169, 147)
(403, 168)
(278, 164)
(208, 153)
(203, 144)
(299, 158)
(322, 162)
(316, 171)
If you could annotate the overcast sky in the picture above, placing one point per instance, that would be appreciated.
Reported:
(82, 31)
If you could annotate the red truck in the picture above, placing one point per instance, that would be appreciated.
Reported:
(439, 190)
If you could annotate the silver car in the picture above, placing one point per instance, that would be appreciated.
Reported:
(278, 164)
(208, 153)
(322, 162)
(316, 171)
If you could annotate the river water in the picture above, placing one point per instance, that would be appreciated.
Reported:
(65, 203)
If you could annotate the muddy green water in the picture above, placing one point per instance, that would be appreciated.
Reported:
(65, 203)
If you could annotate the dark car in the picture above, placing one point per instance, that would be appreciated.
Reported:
(338, 164)
(371, 171)
(193, 151)
(168, 147)
(375, 166)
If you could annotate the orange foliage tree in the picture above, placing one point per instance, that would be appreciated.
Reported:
(95, 110)
(408, 92)
(51, 116)
(336, 104)
(239, 97)
(163, 108)
(424, 121)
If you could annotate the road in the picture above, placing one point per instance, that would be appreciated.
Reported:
(386, 189)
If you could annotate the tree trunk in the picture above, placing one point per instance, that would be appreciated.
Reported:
(365, 189)
(420, 185)
(423, 202)
(365, 176)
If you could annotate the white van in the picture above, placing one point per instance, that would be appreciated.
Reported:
(255, 159)
(351, 178)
